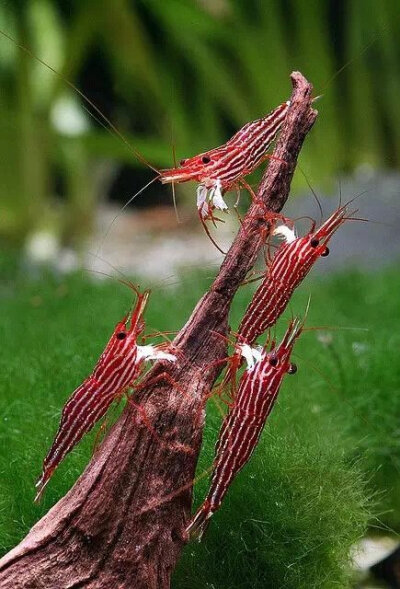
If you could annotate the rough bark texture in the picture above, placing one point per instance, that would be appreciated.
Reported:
(122, 524)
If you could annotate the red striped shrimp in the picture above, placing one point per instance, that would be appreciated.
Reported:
(217, 170)
(290, 265)
(117, 368)
(241, 429)
(222, 168)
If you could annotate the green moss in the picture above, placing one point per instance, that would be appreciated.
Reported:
(289, 518)
(292, 515)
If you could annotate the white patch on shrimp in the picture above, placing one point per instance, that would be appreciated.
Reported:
(212, 197)
(201, 196)
(216, 197)
(151, 353)
(288, 235)
(251, 355)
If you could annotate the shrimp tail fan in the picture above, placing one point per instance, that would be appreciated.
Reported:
(199, 523)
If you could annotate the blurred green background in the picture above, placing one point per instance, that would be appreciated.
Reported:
(181, 74)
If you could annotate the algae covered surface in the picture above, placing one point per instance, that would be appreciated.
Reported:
(329, 459)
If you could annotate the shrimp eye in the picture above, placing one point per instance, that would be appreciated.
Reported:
(314, 242)
(182, 162)
(121, 335)
(292, 369)
(205, 159)
(273, 360)
(325, 252)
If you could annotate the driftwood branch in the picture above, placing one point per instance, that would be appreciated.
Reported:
(122, 524)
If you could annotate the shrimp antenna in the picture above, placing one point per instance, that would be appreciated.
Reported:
(321, 213)
(312, 221)
(122, 210)
(210, 237)
(173, 183)
(297, 324)
(175, 204)
(352, 218)
(349, 202)
(111, 127)
(335, 328)
(115, 268)
(295, 327)
(301, 323)
(307, 310)
(125, 281)
(173, 148)
(334, 388)
(160, 284)
(101, 273)
(352, 59)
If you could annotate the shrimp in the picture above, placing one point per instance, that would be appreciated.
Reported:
(290, 265)
(222, 168)
(117, 368)
(217, 170)
(241, 429)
